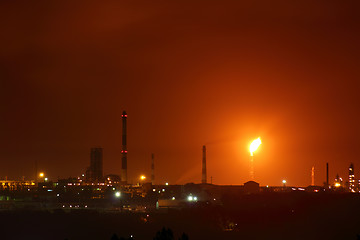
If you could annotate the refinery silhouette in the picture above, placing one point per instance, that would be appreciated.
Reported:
(212, 211)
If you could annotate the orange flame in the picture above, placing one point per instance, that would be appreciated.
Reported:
(254, 145)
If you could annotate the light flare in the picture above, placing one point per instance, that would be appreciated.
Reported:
(254, 145)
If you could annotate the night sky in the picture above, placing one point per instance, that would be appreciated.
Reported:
(188, 74)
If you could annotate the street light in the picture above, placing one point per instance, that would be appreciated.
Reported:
(141, 179)
(42, 177)
(117, 194)
(284, 182)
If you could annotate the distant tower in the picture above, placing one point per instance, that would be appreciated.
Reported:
(152, 169)
(96, 164)
(351, 178)
(313, 176)
(327, 175)
(124, 150)
(203, 177)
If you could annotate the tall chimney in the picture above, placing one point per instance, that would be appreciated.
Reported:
(124, 150)
(327, 175)
(313, 176)
(203, 177)
(152, 169)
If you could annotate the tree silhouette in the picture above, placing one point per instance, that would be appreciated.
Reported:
(164, 234)
(184, 236)
(114, 237)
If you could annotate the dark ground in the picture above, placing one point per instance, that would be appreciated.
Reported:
(264, 216)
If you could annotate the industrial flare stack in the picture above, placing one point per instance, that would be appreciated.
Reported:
(124, 150)
(203, 177)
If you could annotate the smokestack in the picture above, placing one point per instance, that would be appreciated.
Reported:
(203, 177)
(313, 176)
(152, 169)
(327, 175)
(36, 173)
(124, 150)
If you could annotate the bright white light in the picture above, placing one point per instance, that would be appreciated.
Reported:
(154, 189)
(173, 198)
(283, 181)
(166, 184)
(163, 190)
(117, 194)
(191, 198)
(46, 179)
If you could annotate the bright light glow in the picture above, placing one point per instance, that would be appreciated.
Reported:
(173, 198)
(166, 184)
(41, 174)
(191, 198)
(254, 145)
(142, 177)
(337, 184)
(46, 179)
(283, 181)
(117, 194)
